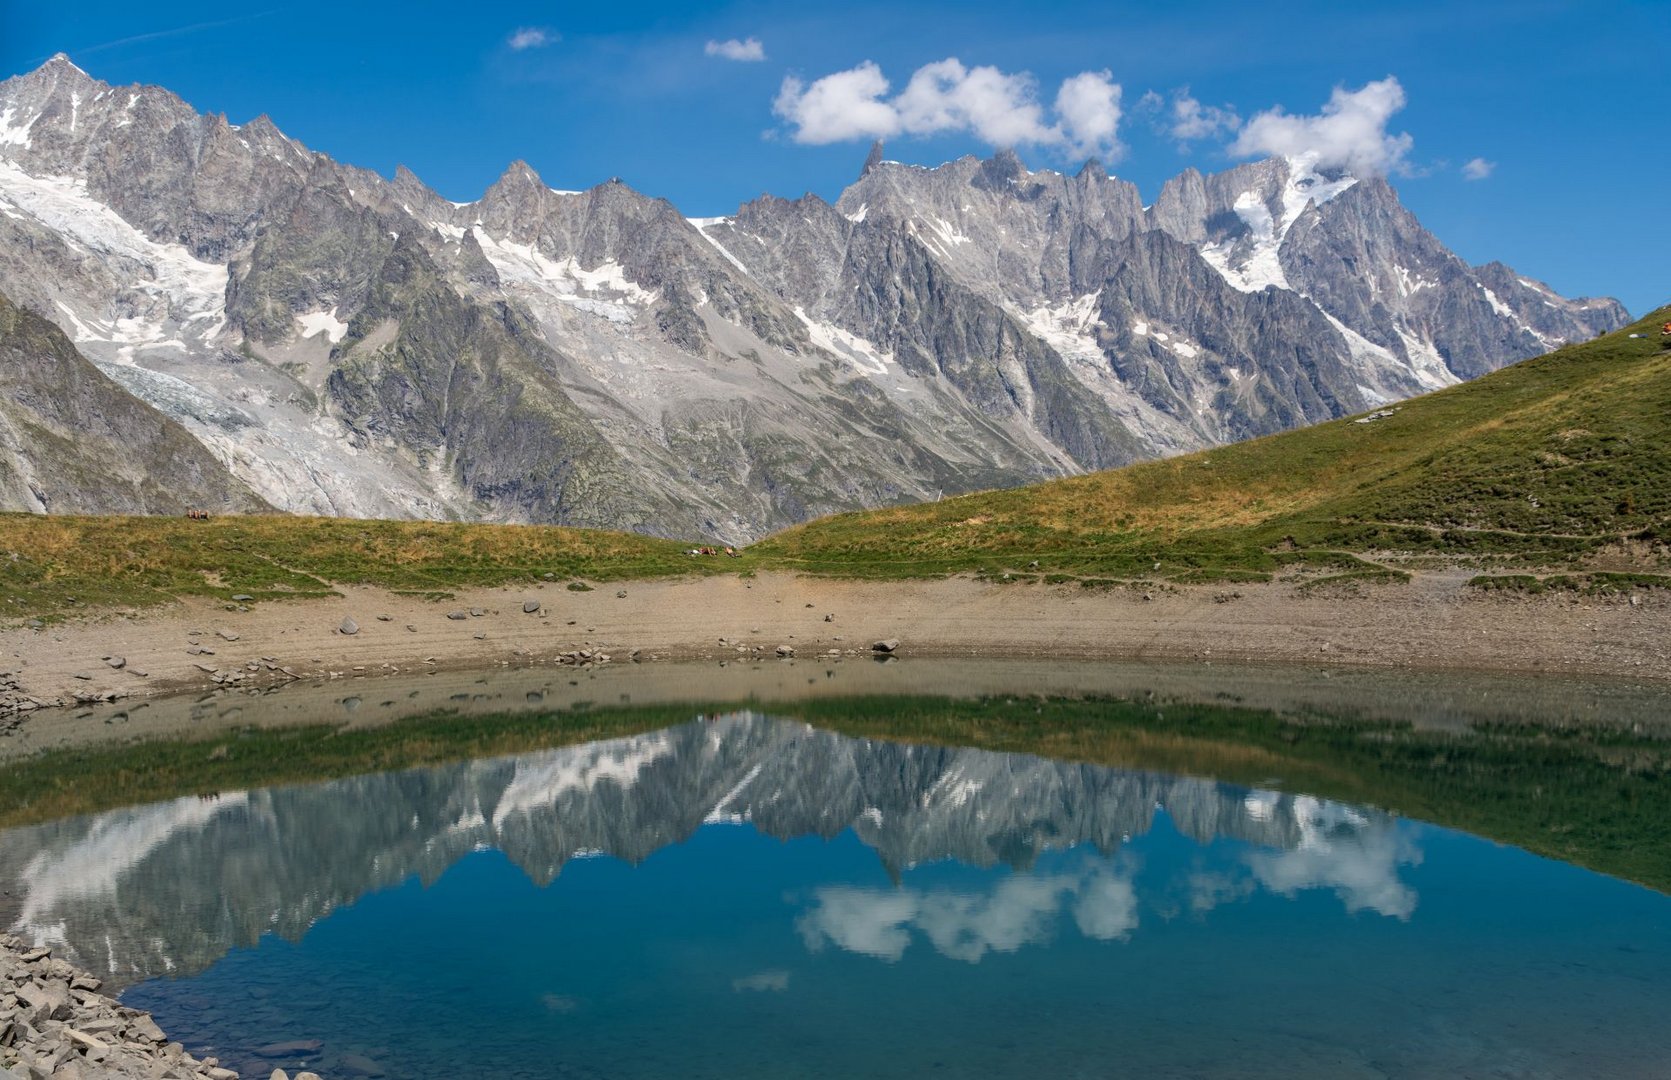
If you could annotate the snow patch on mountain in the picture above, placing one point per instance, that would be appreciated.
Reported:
(323, 322)
(1426, 364)
(1071, 329)
(604, 291)
(1251, 262)
(702, 227)
(15, 134)
(169, 291)
(868, 358)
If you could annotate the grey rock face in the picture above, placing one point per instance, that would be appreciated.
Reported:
(347, 344)
(73, 441)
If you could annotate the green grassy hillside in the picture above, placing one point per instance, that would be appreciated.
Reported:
(1541, 463)
(51, 566)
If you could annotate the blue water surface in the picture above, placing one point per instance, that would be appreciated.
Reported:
(751, 899)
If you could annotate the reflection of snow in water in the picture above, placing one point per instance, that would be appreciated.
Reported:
(96, 863)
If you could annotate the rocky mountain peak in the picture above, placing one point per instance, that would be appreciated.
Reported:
(872, 159)
(1001, 171)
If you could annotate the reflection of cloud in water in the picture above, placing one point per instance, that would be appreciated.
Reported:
(1019, 910)
(774, 980)
(1364, 874)
(1337, 848)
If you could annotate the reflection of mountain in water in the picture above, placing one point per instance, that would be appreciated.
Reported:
(172, 886)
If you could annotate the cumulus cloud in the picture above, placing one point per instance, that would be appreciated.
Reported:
(748, 49)
(1188, 120)
(846, 105)
(1088, 105)
(1478, 169)
(531, 37)
(1350, 132)
(999, 108)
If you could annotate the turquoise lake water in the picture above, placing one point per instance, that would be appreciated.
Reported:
(748, 897)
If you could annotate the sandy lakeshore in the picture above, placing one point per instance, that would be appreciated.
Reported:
(1434, 623)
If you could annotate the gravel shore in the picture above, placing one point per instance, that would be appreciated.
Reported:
(55, 1024)
(1436, 623)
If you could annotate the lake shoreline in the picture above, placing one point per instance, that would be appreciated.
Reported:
(1434, 623)
(60, 1025)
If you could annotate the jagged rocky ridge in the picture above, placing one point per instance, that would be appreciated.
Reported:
(171, 887)
(346, 344)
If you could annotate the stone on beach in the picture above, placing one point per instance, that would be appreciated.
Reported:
(349, 626)
(529, 607)
(886, 645)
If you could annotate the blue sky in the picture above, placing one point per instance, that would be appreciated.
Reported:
(1562, 104)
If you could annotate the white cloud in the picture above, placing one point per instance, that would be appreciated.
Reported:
(1190, 120)
(999, 108)
(748, 49)
(1478, 169)
(1089, 107)
(838, 107)
(531, 37)
(1350, 132)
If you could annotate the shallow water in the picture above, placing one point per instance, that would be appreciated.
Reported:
(747, 896)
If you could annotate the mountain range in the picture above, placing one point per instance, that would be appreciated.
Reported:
(210, 314)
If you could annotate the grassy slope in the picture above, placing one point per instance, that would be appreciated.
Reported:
(53, 565)
(1540, 463)
(1549, 458)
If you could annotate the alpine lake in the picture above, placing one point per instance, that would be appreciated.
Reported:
(918, 868)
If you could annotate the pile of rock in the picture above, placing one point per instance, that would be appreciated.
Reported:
(15, 704)
(54, 1023)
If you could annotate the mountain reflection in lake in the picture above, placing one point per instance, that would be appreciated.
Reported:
(743, 896)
